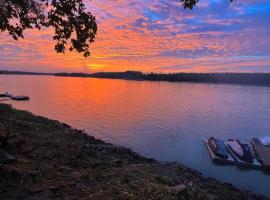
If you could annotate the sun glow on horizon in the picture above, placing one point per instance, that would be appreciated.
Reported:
(95, 67)
(156, 36)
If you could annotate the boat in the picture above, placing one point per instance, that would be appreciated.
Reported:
(5, 95)
(243, 154)
(218, 150)
(20, 98)
(261, 148)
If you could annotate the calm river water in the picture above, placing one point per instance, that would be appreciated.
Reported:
(161, 120)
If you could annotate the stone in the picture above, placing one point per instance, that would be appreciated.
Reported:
(6, 158)
(42, 195)
(179, 188)
(117, 162)
(9, 176)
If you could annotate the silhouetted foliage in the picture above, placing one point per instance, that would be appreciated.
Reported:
(231, 78)
(191, 3)
(23, 73)
(72, 24)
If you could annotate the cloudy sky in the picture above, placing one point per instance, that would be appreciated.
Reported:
(156, 35)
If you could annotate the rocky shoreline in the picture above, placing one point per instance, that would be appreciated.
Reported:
(43, 159)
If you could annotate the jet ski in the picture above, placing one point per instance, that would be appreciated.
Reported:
(5, 95)
(20, 98)
(218, 151)
(219, 148)
(242, 151)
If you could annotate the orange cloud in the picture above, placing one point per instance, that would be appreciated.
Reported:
(154, 36)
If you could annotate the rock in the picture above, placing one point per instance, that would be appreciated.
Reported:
(211, 197)
(181, 191)
(117, 162)
(43, 195)
(65, 168)
(6, 158)
(9, 176)
(87, 145)
(179, 188)
(190, 184)
(66, 125)
(24, 161)
(33, 173)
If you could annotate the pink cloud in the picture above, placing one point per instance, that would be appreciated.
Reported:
(153, 36)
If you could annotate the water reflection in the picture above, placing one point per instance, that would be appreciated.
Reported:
(166, 121)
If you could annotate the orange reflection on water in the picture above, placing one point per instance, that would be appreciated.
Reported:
(166, 121)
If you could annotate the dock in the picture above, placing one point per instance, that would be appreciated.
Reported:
(262, 152)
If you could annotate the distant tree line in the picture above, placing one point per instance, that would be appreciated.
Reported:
(231, 78)
(23, 73)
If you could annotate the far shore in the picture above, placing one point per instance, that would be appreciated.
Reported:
(258, 79)
(47, 159)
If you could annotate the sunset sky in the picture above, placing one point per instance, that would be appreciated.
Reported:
(156, 35)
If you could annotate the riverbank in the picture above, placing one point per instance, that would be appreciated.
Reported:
(45, 159)
(256, 79)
